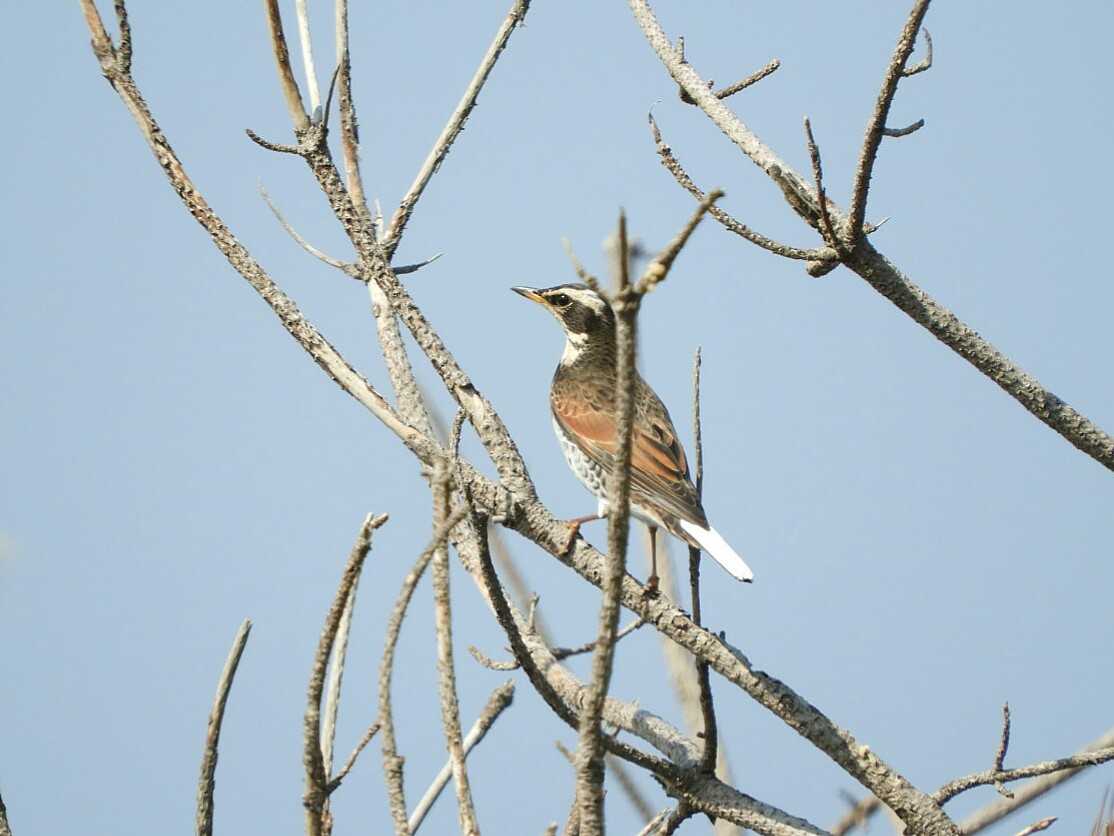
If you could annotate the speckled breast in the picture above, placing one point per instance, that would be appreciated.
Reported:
(588, 471)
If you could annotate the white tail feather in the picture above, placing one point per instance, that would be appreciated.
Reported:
(710, 540)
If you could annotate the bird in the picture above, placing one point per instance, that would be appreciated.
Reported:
(582, 402)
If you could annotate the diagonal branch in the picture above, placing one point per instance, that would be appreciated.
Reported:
(876, 127)
(453, 127)
(873, 266)
(206, 783)
(290, 91)
(499, 701)
(317, 778)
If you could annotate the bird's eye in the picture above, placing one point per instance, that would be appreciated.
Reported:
(559, 300)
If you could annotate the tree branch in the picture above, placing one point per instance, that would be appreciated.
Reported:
(290, 91)
(317, 779)
(446, 673)
(499, 701)
(876, 127)
(207, 781)
(453, 127)
(992, 776)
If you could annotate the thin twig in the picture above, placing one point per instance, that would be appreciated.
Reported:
(926, 62)
(630, 789)
(446, 672)
(307, 56)
(124, 53)
(562, 653)
(876, 126)
(707, 706)
(659, 265)
(978, 779)
(590, 766)
(1002, 807)
(336, 780)
(1003, 746)
(453, 127)
(317, 778)
(900, 132)
(290, 91)
(581, 272)
(392, 761)
(1037, 827)
(753, 78)
(826, 228)
(653, 826)
(497, 703)
(206, 782)
(674, 167)
(349, 125)
(858, 816)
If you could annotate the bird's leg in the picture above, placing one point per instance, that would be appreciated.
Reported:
(574, 526)
(652, 581)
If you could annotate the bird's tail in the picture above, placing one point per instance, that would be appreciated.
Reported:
(711, 542)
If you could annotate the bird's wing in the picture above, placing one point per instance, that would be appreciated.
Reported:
(659, 469)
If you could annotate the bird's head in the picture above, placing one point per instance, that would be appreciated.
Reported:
(583, 313)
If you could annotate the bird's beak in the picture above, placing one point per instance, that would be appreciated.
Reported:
(530, 294)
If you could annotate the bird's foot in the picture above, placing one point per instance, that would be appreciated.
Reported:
(574, 529)
(651, 589)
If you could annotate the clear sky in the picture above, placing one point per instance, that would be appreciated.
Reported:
(173, 462)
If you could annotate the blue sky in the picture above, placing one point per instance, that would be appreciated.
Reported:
(173, 462)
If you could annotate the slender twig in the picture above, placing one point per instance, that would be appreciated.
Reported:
(926, 62)
(306, 42)
(442, 609)
(581, 272)
(707, 706)
(659, 265)
(337, 658)
(858, 816)
(561, 653)
(1034, 789)
(290, 91)
(900, 132)
(990, 776)
(1037, 827)
(124, 53)
(357, 750)
(826, 228)
(654, 825)
(590, 767)
(206, 782)
(349, 125)
(497, 703)
(392, 761)
(630, 789)
(753, 78)
(1000, 755)
(674, 167)
(876, 126)
(453, 127)
(317, 778)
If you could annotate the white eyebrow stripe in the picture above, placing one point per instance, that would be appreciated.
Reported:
(586, 297)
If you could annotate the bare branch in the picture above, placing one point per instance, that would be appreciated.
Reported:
(336, 780)
(317, 778)
(674, 167)
(875, 128)
(446, 679)
(206, 782)
(872, 266)
(1091, 757)
(497, 703)
(1003, 746)
(453, 127)
(349, 126)
(590, 766)
(707, 706)
(562, 653)
(654, 825)
(753, 78)
(581, 273)
(290, 91)
(124, 54)
(630, 789)
(857, 816)
(307, 57)
(352, 270)
(926, 62)
(392, 761)
(659, 266)
(1043, 824)
(900, 132)
(828, 231)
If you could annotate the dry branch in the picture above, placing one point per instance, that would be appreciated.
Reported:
(499, 701)
(207, 781)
